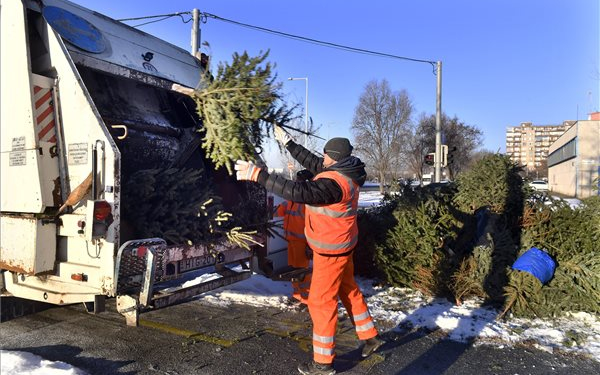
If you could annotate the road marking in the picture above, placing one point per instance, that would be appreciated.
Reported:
(186, 333)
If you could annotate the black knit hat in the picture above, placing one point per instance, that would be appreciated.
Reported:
(304, 175)
(338, 148)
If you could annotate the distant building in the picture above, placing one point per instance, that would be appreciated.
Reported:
(574, 159)
(528, 144)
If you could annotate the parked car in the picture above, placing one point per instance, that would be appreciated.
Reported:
(539, 185)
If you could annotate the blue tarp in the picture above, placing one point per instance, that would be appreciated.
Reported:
(536, 262)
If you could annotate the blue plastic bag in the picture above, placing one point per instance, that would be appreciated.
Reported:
(536, 262)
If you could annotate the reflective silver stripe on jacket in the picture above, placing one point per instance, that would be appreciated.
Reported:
(359, 317)
(296, 212)
(332, 213)
(349, 211)
(322, 351)
(335, 246)
(365, 327)
(323, 339)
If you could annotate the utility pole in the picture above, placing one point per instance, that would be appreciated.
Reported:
(438, 126)
(195, 31)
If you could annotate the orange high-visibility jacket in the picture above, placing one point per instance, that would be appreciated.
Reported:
(293, 220)
(332, 228)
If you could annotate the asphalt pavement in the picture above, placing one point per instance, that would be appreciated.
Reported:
(199, 338)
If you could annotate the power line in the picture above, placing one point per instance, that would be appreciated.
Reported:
(155, 16)
(319, 42)
(161, 16)
(206, 15)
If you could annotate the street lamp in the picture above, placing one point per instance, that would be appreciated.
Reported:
(305, 79)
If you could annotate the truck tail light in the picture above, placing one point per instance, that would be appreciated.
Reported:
(102, 218)
(102, 210)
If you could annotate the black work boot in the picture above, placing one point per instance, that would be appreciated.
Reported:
(315, 368)
(296, 304)
(371, 345)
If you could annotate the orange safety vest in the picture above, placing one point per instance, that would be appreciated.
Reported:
(332, 228)
(293, 220)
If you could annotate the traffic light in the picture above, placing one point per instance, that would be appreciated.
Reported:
(430, 158)
(451, 155)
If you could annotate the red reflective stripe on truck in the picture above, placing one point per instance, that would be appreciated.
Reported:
(45, 130)
(43, 99)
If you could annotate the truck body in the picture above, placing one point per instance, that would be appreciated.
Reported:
(86, 102)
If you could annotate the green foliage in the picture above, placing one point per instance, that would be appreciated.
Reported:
(373, 224)
(434, 243)
(493, 182)
(174, 204)
(483, 273)
(561, 230)
(180, 206)
(522, 293)
(235, 105)
(467, 281)
(424, 224)
(571, 237)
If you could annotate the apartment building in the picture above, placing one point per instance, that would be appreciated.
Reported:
(528, 144)
(574, 159)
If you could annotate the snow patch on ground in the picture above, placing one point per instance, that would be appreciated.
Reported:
(403, 309)
(24, 363)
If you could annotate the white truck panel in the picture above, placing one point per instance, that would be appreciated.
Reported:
(20, 190)
(81, 122)
(82, 128)
(126, 45)
(16, 114)
(31, 246)
(17, 138)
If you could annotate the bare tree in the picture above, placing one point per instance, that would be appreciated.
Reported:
(381, 121)
(465, 139)
(420, 142)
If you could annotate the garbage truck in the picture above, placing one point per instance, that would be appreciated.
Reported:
(87, 102)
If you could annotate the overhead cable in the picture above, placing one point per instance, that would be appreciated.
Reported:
(206, 15)
(161, 16)
(316, 41)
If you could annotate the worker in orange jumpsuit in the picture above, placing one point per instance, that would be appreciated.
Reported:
(293, 227)
(331, 230)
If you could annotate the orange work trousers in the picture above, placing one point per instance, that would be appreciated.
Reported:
(297, 258)
(333, 277)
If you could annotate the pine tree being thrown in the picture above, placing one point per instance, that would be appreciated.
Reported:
(233, 107)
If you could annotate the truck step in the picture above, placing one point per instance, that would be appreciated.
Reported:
(290, 273)
(162, 299)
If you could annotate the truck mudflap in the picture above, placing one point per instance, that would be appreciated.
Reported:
(144, 269)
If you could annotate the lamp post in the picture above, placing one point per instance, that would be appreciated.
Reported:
(305, 79)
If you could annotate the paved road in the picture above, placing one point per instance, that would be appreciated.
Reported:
(197, 338)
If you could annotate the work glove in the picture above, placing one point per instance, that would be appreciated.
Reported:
(281, 135)
(246, 170)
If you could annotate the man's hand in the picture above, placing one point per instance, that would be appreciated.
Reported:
(246, 170)
(281, 135)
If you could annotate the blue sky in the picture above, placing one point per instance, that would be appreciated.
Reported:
(504, 61)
